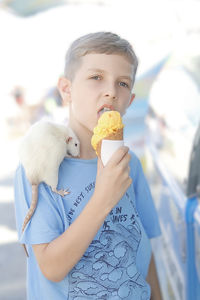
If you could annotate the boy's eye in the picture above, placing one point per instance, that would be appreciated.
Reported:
(124, 84)
(96, 77)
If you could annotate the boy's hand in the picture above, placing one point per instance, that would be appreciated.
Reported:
(113, 180)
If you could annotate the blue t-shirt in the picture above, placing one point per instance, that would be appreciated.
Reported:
(116, 263)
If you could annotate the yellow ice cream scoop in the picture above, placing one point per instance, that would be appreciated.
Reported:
(109, 127)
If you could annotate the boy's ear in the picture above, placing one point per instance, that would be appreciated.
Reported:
(132, 98)
(64, 87)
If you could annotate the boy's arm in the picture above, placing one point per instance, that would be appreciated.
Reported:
(58, 257)
(152, 279)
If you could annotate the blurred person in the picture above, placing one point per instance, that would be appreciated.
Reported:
(25, 114)
(95, 242)
(18, 119)
(18, 95)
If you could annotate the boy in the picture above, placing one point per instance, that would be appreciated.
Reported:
(92, 243)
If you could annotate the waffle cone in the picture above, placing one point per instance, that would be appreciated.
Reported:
(115, 136)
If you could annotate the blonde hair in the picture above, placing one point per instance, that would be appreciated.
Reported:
(99, 42)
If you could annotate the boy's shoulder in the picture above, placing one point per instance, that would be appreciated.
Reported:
(134, 157)
(20, 172)
(136, 172)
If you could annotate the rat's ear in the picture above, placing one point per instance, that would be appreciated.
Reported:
(68, 139)
(64, 87)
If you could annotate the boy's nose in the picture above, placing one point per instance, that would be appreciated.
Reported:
(111, 93)
(110, 96)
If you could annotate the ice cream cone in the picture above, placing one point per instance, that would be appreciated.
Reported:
(115, 136)
(108, 135)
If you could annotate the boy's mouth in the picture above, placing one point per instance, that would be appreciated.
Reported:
(104, 108)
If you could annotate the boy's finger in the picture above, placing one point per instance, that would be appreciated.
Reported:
(118, 155)
(99, 164)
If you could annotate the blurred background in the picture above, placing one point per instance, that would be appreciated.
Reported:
(160, 125)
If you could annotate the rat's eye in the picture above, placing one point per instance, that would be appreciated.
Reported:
(76, 145)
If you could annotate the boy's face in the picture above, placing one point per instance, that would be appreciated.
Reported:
(101, 81)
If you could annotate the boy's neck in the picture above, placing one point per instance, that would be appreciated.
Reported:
(84, 136)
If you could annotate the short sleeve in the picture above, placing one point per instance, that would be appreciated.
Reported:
(47, 221)
(144, 202)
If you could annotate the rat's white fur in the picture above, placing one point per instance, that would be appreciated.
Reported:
(41, 152)
(43, 148)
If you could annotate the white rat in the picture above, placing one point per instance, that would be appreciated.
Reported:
(41, 152)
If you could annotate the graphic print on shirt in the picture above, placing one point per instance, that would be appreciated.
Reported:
(78, 201)
(108, 268)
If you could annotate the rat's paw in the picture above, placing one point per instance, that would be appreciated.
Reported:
(61, 192)
(65, 192)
